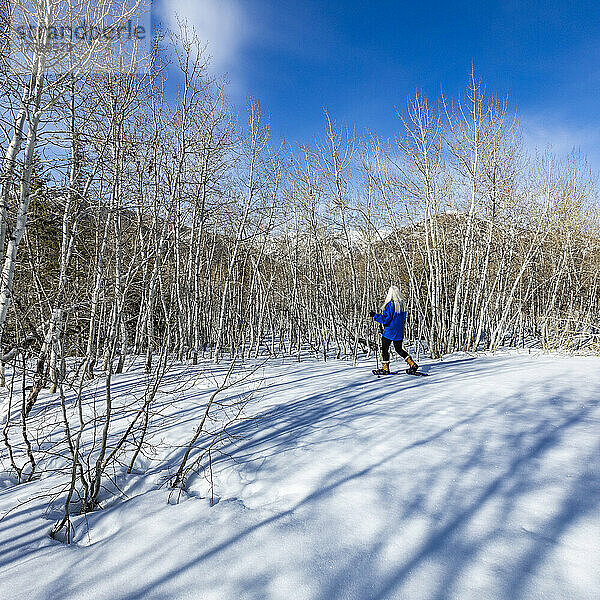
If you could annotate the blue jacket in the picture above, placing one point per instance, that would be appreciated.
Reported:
(393, 322)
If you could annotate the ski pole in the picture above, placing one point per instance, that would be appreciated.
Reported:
(376, 353)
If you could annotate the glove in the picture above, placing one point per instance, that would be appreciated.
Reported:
(372, 313)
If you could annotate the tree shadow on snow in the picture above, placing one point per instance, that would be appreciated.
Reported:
(492, 484)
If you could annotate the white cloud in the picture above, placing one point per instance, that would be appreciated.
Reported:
(220, 24)
(547, 131)
(544, 131)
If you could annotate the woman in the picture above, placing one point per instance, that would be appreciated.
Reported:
(392, 318)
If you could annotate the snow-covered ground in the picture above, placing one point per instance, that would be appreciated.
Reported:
(481, 481)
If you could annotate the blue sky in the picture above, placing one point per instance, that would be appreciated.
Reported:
(361, 60)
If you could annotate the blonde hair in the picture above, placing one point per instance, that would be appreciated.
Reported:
(395, 295)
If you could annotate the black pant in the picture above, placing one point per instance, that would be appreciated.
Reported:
(385, 349)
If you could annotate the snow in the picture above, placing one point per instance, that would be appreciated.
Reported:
(481, 481)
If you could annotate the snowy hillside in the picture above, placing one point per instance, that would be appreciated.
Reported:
(481, 481)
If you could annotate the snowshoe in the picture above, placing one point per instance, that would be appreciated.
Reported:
(415, 372)
(381, 372)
